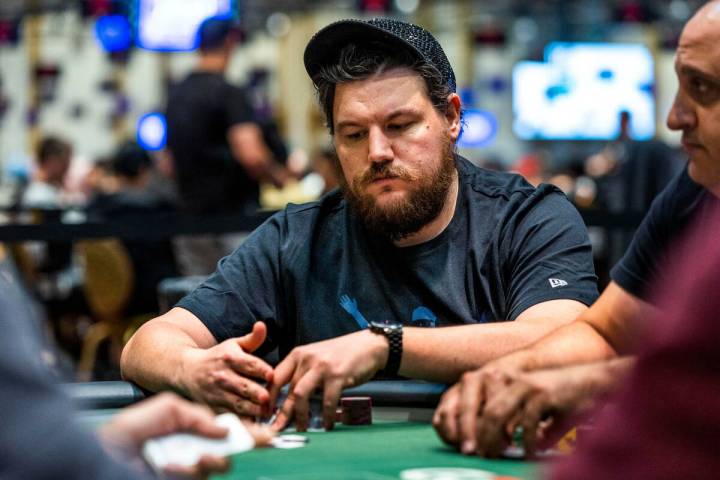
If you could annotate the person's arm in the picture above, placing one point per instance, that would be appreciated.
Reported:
(250, 151)
(436, 354)
(600, 332)
(442, 355)
(176, 351)
(204, 347)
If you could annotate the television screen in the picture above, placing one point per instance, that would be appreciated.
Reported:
(578, 92)
(171, 25)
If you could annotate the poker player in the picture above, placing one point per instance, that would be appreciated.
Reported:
(350, 286)
(563, 374)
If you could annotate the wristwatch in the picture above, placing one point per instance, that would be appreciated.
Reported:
(393, 331)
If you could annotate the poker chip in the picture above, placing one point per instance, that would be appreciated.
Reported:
(441, 473)
(355, 411)
(286, 442)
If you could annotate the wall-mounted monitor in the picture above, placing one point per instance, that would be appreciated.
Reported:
(578, 92)
(171, 25)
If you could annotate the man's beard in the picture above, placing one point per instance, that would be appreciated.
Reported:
(399, 219)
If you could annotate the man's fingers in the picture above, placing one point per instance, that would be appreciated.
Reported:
(530, 420)
(469, 404)
(196, 419)
(254, 339)
(244, 388)
(331, 395)
(304, 387)
(281, 376)
(499, 409)
(249, 366)
(445, 419)
(246, 408)
(260, 433)
(207, 465)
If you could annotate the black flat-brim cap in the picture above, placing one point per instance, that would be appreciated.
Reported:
(324, 47)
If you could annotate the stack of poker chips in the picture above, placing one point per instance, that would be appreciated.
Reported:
(354, 411)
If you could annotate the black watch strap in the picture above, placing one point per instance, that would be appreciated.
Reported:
(395, 340)
(394, 334)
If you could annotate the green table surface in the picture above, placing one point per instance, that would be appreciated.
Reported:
(376, 452)
(399, 439)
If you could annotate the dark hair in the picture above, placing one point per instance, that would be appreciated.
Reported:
(359, 62)
(213, 32)
(52, 147)
(131, 160)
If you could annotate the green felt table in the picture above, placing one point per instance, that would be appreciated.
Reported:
(400, 438)
(374, 452)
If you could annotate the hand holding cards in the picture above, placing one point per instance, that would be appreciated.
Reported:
(185, 449)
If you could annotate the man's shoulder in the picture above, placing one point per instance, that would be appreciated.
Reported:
(680, 198)
(493, 184)
(328, 208)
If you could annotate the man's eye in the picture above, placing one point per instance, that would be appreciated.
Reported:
(699, 86)
(397, 126)
(353, 136)
(702, 91)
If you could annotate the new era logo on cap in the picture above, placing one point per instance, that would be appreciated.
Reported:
(556, 282)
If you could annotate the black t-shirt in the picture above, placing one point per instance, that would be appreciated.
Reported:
(200, 111)
(642, 265)
(312, 272)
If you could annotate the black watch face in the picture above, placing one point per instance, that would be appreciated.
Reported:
(389, 325)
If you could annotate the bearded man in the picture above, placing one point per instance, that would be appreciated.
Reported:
(351, 286)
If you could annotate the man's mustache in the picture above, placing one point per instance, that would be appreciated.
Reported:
(381, 171)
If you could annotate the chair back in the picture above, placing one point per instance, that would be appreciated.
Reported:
(109, 277)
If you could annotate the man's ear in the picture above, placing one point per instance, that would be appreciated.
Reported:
(452, 115)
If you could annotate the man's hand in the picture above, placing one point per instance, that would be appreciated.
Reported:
(480, 413)
(331, 365)
(161, 415)
(456, 416)
(226, 376)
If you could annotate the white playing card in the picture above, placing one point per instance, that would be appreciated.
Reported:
(185, 449)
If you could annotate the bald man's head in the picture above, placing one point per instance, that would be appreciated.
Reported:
(696, 110)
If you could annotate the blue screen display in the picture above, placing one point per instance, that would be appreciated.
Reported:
(171, 25)
(578, 92)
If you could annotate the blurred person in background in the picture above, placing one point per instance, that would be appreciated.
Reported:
(45, 191)
(326, 164)
(48, 266)
(217, 147)
(152, 260)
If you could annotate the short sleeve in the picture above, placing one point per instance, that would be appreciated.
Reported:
(669, 214)
(549, 256)
(245, 288)
(236, 106)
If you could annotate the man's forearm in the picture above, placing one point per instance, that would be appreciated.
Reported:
(443, 354)
(571, 344)
(154, 356)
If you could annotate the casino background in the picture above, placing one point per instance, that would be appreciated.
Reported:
(96, 74)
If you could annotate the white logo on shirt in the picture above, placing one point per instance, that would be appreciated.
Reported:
(556, 282)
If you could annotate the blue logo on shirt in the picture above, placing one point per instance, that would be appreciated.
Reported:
(421, 316)
(351, 307)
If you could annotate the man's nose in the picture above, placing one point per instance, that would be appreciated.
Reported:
(379, 146)
(682, 115)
